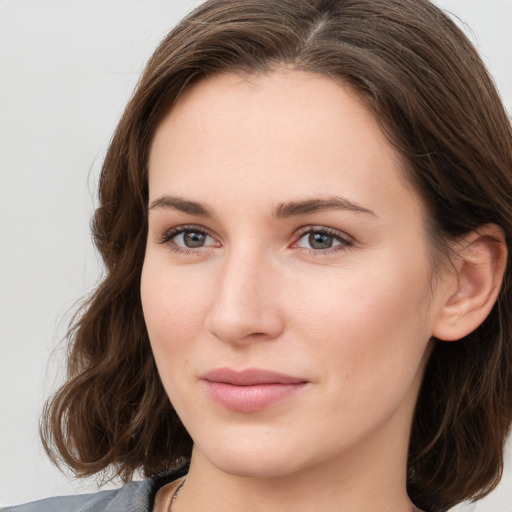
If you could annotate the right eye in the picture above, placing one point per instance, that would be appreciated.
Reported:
(188, 238)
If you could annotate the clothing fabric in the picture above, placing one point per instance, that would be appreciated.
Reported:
(131, 497)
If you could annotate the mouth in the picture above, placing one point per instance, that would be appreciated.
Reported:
(250, 390)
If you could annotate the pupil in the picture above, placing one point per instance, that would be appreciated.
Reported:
(192, 239)
(320, 241)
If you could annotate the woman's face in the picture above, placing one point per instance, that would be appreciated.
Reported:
(286, 284)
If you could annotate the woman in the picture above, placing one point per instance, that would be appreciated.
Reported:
(305, 217)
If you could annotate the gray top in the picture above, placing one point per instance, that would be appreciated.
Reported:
(131, 497)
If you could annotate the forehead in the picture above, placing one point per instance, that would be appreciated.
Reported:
(282, 133)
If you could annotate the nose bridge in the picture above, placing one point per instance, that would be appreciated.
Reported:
(245, 301)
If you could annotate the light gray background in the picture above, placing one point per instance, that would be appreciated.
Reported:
(67, 69)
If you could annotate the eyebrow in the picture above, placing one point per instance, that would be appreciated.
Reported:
(283, 210)
(316, 205)
(180, 204)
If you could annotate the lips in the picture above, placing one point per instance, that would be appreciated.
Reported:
(250, 390)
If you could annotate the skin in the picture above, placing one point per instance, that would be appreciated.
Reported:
(354, 320)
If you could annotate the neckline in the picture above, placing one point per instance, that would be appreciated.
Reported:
(164, 495)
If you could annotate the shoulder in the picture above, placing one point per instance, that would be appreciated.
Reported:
(131, 497)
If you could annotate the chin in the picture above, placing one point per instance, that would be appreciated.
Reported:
(259, 458)
(257, 466)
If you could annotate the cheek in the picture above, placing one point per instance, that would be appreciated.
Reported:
(374, 326)
(174, 305)
(387, 296)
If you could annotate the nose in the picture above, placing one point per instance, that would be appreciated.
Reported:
(246, 300)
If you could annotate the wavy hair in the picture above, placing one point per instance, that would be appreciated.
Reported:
(429, 90)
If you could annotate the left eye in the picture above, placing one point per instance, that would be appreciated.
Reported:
(321, 240)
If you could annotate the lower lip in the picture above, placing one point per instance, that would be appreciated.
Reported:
(250, 398)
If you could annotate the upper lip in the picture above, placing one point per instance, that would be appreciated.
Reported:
(250, 377)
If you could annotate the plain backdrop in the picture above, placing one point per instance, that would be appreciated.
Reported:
(67, 68)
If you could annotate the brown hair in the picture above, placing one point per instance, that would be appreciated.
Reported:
(437, 105)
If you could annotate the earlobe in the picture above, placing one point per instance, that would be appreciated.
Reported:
(479, 264)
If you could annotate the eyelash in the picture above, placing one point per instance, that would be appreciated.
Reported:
(345, 242)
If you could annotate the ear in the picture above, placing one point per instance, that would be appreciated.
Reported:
(479, 264)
